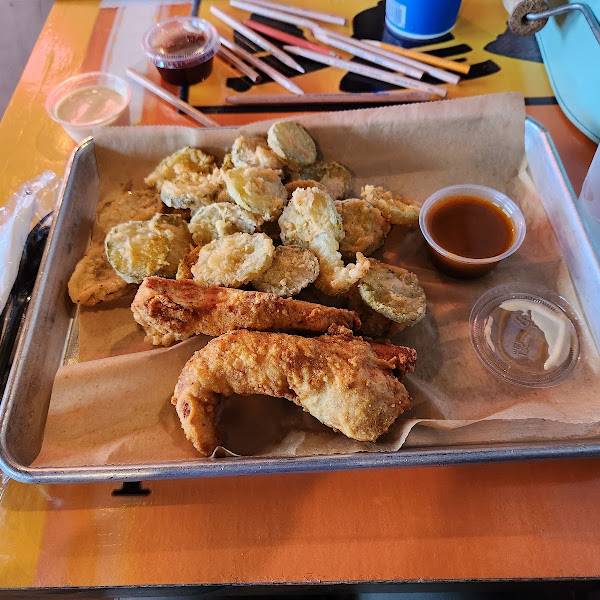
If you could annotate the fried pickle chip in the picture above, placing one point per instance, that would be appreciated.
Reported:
(372, 323)
(94, 280)
(254, 152)
(293, 269)
(331, 175)
(218, 220)
(234, 260)
(227, 162)
(292, 186)
(139, 249)
(184, 270)
(394, 292)
(310, 211)
(335, 278)
(184, 163)
(365, 228)
(398, 210)
(195, 191)
(292, 143)
(257, 190)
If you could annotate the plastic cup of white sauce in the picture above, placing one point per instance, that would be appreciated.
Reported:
(89, 100)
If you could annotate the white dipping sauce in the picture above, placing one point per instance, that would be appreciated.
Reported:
(88, 105)
(554, 326)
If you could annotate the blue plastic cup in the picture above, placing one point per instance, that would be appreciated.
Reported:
(421, 19)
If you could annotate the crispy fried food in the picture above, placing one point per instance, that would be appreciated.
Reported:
(257, 190)
(184, 270)
(254, 152)
(335, 278)
(234, 260)
(132, 205)
(372, 323)
(394, 292)
(292, 143)
(139, 249)
(293, 269)
(227, 162)
(310, 211)
(94, 280)
(398, 210)
(174, 310)
(335, 178)
(365, 228)
(218, 220)
(183, 163)
(195, 191)
(292, 186)
(339, 379)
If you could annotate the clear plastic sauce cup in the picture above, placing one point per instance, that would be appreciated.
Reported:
(89, 100)
(469, 229)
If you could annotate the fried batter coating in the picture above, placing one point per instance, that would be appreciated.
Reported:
(293, 269)
(195, 190)
(184, 270)
(292, 143)
(292, 186)
(227, 162)
(339, 379)
(365, 228)
(398, 210)
(335, 278)
(183, 163)
(335, 178)
(218, 220)
(139, 249)
(310, 211)
(254, 152)
(394, 292)
(94, 280)
(257, 190)
(234, 260)
(372, 323)
(175, 310)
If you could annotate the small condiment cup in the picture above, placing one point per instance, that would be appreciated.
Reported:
(182, 49)
(461, 266)
(89, 100)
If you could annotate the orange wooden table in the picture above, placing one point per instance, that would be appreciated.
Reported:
(489, 521)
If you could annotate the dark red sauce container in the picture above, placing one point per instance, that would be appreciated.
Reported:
(182, 49)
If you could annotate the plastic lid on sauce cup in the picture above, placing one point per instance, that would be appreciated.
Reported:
(181, 42)
(461, 266)
(525, 334)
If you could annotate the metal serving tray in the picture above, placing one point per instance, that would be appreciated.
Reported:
(50, 328)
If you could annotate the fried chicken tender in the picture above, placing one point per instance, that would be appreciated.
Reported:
(365, 228)
(292, 143)
(341, 380)
(254, 152)
(398, 210)
(175, 310)
(335, 178)
(94, 280)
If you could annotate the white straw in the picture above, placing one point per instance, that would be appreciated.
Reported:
(277, 15)
(302, 12)
(232, 59)
(172, 100)
(433, 71)
(395, 65)
(257, 39)
(264, 67)
(370, 72)
(394, 97)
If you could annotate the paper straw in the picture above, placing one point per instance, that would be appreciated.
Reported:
(277, 15)
(434, 71)
(287, 38)
(395, 65)
(430, 59)
(302, 12)
(351, 98)
(171, 99)
(369, 72)
(257, 39)
(264, 67)
(232, 59)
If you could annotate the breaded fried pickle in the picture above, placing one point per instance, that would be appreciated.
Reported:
(174, 310)
(398, 210)
(218, 220)
(254, 152)
(341, 380)
(292, 143)
(334, 177)
(365, 228)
